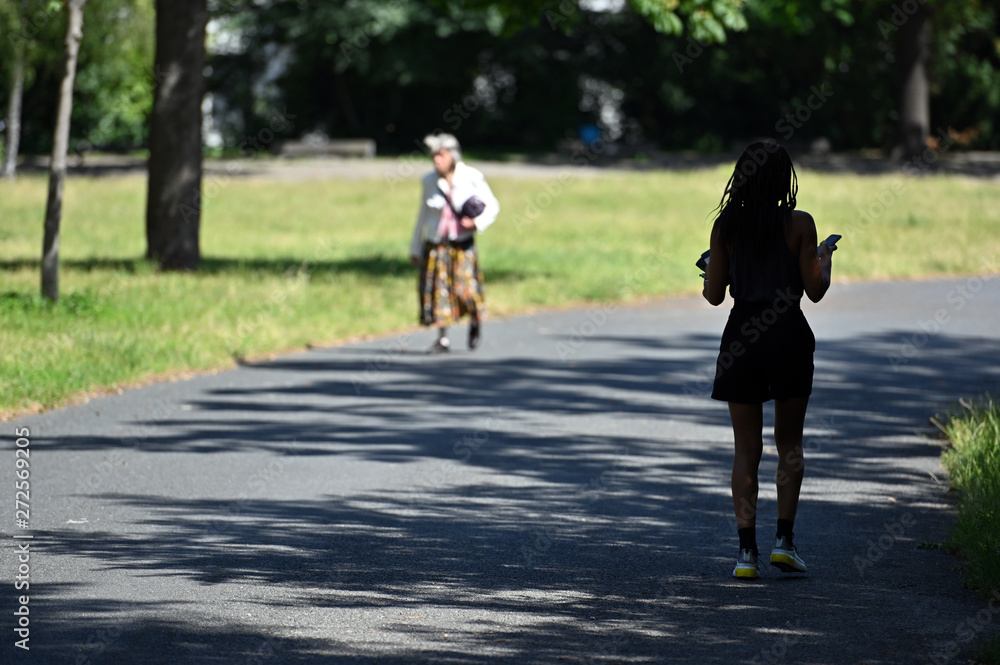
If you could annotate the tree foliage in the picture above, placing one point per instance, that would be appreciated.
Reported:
(526, 73)
(964, 68)
(114, 84)
(704, 20)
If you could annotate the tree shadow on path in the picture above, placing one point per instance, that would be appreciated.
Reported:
(545, 511)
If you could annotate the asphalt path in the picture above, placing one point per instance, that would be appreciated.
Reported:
(558, 496)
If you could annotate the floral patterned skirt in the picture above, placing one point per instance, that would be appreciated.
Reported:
(451, 284)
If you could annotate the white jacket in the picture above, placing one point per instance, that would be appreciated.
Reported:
(465, 183)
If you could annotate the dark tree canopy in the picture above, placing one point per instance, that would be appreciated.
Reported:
(524, 75)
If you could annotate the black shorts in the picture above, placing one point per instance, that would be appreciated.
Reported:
(766, 353)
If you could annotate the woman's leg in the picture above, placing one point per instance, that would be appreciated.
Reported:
(789, 417)
(469, 291)
(436, 295)
(789, 420)
(748, 423)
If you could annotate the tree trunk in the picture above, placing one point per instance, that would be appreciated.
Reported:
(914, 106)
(60, 145)
(14, 114)
(173, 204)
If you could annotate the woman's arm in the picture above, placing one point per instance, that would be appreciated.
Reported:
(815, 267)
(476, 182)
(417, 240)
(718, 270)
(489, 214)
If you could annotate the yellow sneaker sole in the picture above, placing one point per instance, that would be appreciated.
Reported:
(785, 563)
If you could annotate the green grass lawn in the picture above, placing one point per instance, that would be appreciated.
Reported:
(973, 463)
(289, 264)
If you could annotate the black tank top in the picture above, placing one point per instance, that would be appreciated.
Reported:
(761, 278)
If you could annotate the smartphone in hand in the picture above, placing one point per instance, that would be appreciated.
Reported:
(831, 240)
(703, 261)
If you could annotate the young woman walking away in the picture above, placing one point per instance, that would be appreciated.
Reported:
(766, 252)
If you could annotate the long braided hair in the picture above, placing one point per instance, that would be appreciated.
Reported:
(758, 198)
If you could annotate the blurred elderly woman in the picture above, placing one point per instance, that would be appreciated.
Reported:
(455, 204)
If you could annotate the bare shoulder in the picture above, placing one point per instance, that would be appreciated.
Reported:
(803, 228)
(802, 220)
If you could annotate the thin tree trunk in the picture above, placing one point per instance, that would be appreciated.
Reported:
(914, 103)
(14, 115)
(173, 204)
(60, 145)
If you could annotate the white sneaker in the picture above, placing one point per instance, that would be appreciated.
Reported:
(746, 566)
(442, 345)
(785, 557)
